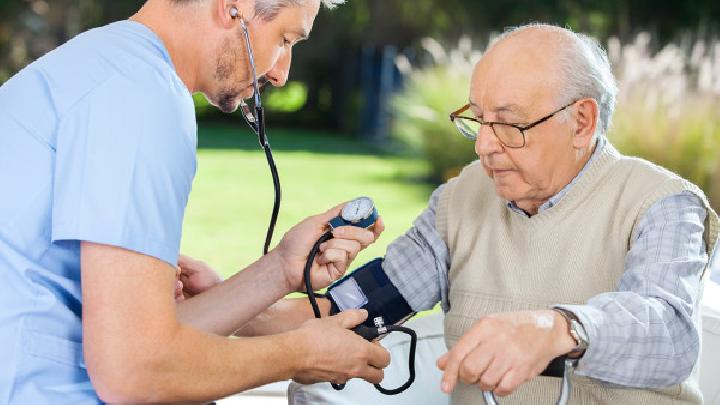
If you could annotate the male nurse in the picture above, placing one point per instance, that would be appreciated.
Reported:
(97, 158)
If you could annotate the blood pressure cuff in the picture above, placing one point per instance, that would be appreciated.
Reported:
(369, 288)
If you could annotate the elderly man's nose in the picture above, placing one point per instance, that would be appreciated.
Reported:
(486, 142)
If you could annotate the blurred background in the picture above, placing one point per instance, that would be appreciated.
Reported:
(365, 110)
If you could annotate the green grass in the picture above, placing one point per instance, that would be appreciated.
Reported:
(232, 195)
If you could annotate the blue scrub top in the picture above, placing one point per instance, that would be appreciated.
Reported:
(97, 143)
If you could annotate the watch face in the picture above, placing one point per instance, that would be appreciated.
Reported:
(581, 333)
(358, 209)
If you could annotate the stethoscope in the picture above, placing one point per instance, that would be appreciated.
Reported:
(255, 118)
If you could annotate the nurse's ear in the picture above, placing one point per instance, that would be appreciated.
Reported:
(230, 12)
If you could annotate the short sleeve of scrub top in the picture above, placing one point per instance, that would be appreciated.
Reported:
(124, 167)
(97, 143)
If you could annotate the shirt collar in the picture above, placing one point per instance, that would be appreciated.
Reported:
(554, 200)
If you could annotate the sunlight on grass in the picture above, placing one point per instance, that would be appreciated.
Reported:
(230, 204)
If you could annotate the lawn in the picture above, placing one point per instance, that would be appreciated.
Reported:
(232, 195)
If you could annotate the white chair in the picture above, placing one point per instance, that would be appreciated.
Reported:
(710, 351)
(424, 391)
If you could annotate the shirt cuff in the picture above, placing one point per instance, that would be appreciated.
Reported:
(588, 317)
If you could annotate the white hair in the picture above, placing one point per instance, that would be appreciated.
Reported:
(268, 9)
(585, 70)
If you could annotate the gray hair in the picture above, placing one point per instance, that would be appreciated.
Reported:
(585, 70)
(269, 9)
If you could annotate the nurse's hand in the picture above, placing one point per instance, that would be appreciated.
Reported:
(196, 276)
(332, 352)
(335, 255)
(193, 277)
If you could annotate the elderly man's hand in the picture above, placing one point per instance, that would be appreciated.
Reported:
(502, 351)
(335, 255)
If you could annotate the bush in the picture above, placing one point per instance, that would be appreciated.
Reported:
(668, 107)
(423, 109)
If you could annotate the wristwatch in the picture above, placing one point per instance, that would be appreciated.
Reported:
(577, 331)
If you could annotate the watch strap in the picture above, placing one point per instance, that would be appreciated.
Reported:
(573, 324)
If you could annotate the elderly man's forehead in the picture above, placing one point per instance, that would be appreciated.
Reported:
(519, 71)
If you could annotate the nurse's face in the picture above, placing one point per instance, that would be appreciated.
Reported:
(271, 42)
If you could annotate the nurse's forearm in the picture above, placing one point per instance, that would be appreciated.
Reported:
(195, 366)
(284, 315)
(229, 305)
(137, 351)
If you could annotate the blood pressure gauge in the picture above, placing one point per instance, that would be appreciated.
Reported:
(360, 212)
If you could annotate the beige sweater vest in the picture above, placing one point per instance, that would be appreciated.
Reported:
(503, 261)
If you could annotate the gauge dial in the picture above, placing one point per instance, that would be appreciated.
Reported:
(358, 209)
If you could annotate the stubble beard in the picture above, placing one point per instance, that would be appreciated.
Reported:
(226, 65)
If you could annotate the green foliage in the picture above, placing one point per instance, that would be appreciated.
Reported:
(202, 106)
(685, 140)
(290, 98)
(422, 118)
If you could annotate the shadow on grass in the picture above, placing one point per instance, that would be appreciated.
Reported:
(222, 136)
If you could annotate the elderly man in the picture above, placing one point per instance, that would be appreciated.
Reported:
(553, 243)
(97, 157)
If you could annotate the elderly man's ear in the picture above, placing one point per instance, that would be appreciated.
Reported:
(585, 115)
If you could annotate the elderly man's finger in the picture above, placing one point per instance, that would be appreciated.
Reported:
(452, 367)
(467, 343)
(442, 362)
(508, 384)
(474, 365)
(494, 373)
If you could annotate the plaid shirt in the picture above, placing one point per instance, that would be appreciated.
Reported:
(640, 335)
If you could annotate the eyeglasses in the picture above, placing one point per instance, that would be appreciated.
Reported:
(510, 135)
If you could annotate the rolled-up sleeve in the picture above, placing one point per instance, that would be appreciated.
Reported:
(643, 334)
